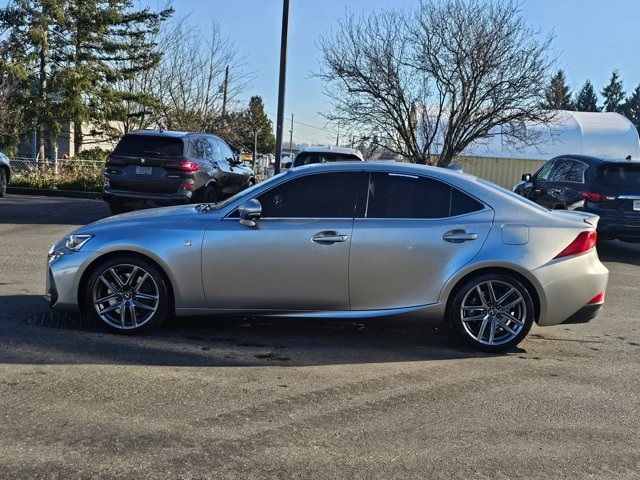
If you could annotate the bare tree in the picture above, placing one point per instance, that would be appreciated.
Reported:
(436, 79)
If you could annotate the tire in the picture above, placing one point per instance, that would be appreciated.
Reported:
(491, 330)
(117, 208)
(3, 182)
(210, 194)
(145, 299)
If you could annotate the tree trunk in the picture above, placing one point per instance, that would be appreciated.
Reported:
(77, 136)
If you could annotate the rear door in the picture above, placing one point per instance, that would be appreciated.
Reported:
(414, 233)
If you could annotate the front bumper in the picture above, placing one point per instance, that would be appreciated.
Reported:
(569, 285)
(63, 280)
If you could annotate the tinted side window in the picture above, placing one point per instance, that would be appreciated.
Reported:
(576, 174)
(199, 148)
(545, 171)
(225, 151)
(407, 196)
(325, 195)
(214, 149)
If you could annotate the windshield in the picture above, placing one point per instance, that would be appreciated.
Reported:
(512, 194)
(247, 191)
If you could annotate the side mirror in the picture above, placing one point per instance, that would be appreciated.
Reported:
(250, 211)
(526, 177)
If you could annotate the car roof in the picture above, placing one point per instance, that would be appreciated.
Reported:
(597, 160)
(167, 133)
(329, 149)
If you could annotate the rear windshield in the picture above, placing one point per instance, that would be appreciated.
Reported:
(321, 157)
(620, 175)
(140, 145)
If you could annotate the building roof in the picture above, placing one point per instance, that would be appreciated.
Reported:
(604, 135)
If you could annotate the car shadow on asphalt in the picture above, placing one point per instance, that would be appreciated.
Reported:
(16, 210)
(619, 252)
(47, 337)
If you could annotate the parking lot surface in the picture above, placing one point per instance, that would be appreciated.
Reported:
(250, 398)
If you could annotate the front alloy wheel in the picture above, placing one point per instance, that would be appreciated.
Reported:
(127, 295)
(492, 312)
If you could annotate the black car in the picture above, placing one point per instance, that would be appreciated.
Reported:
(608, 188)
(155, 167)
(5, 174)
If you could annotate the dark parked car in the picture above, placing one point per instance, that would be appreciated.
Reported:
(151, 167)
(5, 174)
(608, 188)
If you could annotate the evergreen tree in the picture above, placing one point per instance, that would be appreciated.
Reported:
(613, 93)
(586, 100)
(631, 107)
(259, 123)
(103, 42)
(557, 95)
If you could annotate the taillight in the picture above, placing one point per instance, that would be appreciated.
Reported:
(597, 300)
(583, 243)
(182, 165)
(597, 197)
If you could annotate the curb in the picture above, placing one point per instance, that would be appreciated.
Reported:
(54, 193)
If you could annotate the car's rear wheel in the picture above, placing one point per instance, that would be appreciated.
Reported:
(3, 182)
(127, 295)
(491, 312)
(210, 194)
(116, 208)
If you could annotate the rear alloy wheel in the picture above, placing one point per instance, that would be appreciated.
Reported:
(3, 182)
(128, 295)
(210, 194)
(492, 312)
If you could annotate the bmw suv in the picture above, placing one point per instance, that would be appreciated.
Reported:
(608, 188)
(154, 167)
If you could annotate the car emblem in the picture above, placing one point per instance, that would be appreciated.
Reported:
(142, 160)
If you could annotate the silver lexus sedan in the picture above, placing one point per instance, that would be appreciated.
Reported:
(342, 240)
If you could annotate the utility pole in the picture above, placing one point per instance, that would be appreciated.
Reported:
(255, 149)
(282, 84)
(291, 138)
(224, 91)
(338, 137)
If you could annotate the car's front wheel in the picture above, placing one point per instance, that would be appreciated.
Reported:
(491, 312)
(3, 182)
(127, 295)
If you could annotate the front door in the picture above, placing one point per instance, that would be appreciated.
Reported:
(415, 233)
(297, 255)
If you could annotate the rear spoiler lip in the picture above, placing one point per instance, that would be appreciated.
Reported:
(590, 219)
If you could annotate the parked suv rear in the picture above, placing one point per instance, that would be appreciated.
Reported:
(150, 168)
(608, 188)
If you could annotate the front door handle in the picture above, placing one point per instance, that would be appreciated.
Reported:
(459, 236)
(329, 238)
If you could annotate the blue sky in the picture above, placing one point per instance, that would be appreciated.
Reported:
(592, 38)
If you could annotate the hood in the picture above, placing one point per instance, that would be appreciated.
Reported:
(141, 218)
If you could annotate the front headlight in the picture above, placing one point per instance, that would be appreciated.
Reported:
(75, 242)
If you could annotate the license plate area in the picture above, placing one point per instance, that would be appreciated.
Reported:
(636, 205)
(144, 170)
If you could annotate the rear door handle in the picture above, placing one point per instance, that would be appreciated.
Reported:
(329, 238)
(459, 236)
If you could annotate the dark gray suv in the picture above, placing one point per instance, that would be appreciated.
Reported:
(5, 174)
(154, 167)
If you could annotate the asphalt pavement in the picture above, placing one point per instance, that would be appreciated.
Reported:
(248, 398)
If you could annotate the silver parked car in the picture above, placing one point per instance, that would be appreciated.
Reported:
(350, 240)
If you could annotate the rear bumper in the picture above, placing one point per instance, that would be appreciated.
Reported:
(568, 285)
(138, 197)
